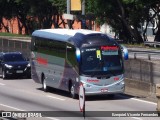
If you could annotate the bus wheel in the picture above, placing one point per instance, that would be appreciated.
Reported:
(44, 85)
(72, 92)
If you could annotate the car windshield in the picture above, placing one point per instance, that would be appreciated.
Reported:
(103, 60)
(13, 57)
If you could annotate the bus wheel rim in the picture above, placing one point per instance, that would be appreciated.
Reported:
(44, 85)
(72, 90)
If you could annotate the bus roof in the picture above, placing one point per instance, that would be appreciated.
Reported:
(60, 34)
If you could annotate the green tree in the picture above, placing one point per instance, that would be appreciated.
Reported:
(22, 8)
(125, 16)
(60, 7)
(7, 12)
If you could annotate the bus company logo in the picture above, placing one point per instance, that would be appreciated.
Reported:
(42, 61)
(94, 80)
(116, 78)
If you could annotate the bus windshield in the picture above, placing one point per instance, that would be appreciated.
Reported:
(103, 60)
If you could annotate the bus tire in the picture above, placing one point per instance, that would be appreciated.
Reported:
(44, 85)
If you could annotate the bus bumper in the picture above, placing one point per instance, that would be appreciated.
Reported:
(101, 90)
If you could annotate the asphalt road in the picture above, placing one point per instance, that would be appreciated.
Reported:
(25, 95)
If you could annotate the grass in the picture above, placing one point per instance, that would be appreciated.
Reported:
(12, 35)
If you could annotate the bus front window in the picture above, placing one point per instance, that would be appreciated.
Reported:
(103, 60)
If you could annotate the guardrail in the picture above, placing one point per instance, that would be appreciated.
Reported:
(144, 54)
(154, 44)
(20, 44)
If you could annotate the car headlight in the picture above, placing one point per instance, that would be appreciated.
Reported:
(8, 66)
(29, 65)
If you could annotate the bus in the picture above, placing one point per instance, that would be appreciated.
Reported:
(64, 58)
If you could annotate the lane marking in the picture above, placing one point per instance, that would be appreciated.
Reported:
(144, 101)
(12, 107)
(51, 118)
(55, 98)
(2, 84)
(139, 100)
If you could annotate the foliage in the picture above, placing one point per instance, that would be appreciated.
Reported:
(128, 18)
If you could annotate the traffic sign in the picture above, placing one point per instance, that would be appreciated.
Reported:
(81, 98)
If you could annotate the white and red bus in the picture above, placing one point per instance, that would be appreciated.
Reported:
(62, 58)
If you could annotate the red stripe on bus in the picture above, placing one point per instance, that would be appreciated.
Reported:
(42, 61)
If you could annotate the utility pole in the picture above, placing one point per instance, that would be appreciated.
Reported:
(80, 6)
(83, 21)
(68, 12)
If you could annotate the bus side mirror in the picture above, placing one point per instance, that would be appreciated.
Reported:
(125, 52)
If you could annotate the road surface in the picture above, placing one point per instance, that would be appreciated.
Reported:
(26, 95)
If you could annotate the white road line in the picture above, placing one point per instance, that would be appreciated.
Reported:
(51, 118)
(144, 101)
(2, 84)
(12, 107)
(55, 98)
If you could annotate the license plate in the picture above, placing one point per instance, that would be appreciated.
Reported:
(19, 71)
(104, 90)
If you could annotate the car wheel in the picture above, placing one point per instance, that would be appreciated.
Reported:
(44, 85)
(4, 76)
(72, 92)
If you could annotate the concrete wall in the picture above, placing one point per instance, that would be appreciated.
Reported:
(142, 76)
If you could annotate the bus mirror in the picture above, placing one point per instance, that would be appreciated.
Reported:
(125, 52)
(78, 55)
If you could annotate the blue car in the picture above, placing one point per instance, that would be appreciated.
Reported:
(14, 64)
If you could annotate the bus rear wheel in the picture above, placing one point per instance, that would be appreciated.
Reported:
(44, 85)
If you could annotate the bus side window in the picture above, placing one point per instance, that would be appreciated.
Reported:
(71, 56)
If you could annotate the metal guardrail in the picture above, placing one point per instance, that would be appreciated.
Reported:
(154, 44)
(136, 54)
(7, 45)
